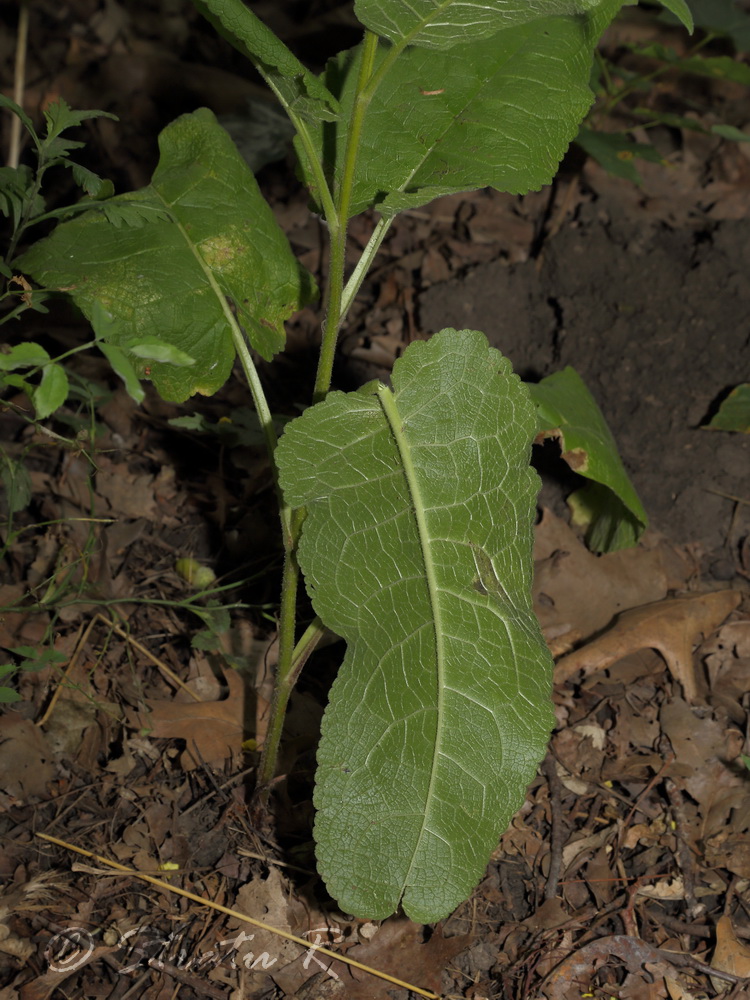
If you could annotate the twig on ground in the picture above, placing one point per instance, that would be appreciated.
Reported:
(684, 856)
(549, 768)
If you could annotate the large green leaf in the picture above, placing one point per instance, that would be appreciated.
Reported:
(609, 505)
(499, 112)
(212, 240)
(440, 24)
(417, 549)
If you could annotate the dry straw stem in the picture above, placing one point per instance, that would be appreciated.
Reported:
(237, 915)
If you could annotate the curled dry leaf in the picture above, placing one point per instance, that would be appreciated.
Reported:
(670, 626)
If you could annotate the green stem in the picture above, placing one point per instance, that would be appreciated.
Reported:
(338, 231)
(322, 191)
(286, 678)
(266, 422)
(282, 687)
(363, 264)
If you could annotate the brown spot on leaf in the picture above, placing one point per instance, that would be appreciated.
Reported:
(577, 459)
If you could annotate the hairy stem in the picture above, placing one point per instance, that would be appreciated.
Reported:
(284, 681)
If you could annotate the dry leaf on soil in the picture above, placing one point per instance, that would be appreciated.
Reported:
(670, 626)
(399, 948)
(266, 899)
(577, 593)
(730, 954)
(213, 730)
(25, 759)
(579, 968)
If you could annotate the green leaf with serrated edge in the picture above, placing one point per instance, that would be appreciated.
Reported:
(567, 411)
(51, 392)
(132, 214)
(499, 113)
(23, 650)
(16, 190)
(57, 150)
(175, 277)
(300, 91)
(37, 657)
(59, 115)
(734, 412)
(8, 695)
(417, 549)
(92, 183)
(441, 24)
(615, 151)
(207, 641)
(215, 617)
(18, 383)
(25, 355)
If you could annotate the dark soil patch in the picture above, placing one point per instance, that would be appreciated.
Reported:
(655, 320)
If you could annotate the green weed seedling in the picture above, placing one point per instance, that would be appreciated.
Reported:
(409, 508)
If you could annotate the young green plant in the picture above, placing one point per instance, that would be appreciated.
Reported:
(408, 508)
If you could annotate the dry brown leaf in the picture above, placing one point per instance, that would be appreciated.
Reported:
(671, 627)
(579, 966)
(722, 850)
(577, 593)
(213, 730)
(677, 991)
(25, 758)
(730, 954)
(128, 495)
(266, 899)
(400, 950)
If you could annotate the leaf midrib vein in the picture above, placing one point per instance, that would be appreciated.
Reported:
(393, 416)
